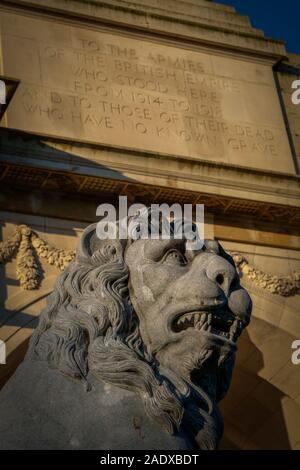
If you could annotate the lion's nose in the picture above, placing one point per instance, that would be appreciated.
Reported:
(222, 273)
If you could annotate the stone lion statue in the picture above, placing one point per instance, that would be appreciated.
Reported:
(147, 330)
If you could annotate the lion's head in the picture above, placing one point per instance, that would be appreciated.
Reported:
(152, 317)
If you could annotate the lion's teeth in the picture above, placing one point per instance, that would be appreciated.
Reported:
(202, 321)
(234, 327)
(209, 318)
(196, 318)
(234, 330)
(221, 359)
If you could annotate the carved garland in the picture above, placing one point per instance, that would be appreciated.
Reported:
(285, 286)
(29, 247)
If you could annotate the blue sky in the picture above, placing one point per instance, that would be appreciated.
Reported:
(279, 19)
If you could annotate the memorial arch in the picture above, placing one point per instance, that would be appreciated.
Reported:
(146, 100)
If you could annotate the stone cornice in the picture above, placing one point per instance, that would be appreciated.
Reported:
(230, 35)
(179, 174)
(109, 189)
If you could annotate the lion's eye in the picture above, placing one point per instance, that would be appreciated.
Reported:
(176, 256)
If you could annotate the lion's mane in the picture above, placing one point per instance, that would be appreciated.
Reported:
(89, 327)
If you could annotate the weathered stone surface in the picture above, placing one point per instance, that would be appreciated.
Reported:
(143, 93)
(288, 73)
(42, 409)
(207, 22)
(147, 316)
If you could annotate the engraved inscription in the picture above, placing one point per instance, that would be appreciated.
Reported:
(115, 90)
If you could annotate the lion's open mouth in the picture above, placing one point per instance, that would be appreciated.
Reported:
(221, 323)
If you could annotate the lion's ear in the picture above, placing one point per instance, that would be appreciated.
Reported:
(90, 247)
(88, 242)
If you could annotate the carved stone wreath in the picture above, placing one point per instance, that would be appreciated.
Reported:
(29, 247)
(284, 286)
